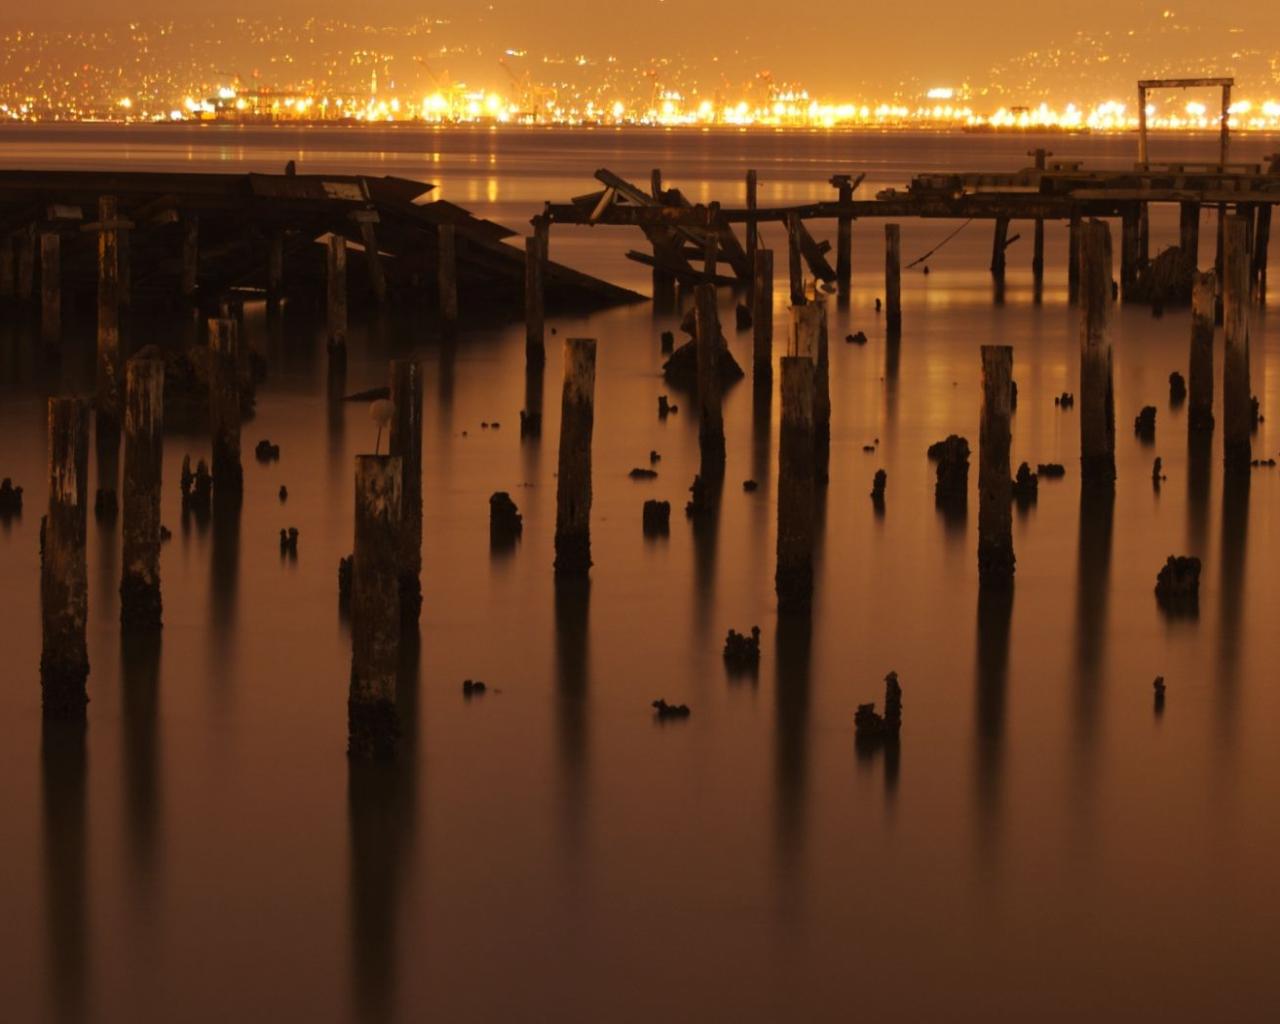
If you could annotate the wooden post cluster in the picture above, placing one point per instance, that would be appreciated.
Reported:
(406, 444)
(795, 274)
(51, 288)
(535, 273)
(1097, 401)
(64, 587)
(336, 294)
(893, 279)
(107, 384)
(573, 485)
(762, 317)
(995, 490)
(224, 409)
(710, 400)
(1200, 386)
(140, 603)
(1237, 416)
(373, 728)
(793, 576)
(447, 277)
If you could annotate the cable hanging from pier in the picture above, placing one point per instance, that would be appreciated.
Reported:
(921, 259)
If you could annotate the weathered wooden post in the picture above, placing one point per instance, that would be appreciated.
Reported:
(107, 384)
(64, 589)
(535, 270)
(1129, 253)
(844, 235)
(999, 243)
(1037, 252)
(336, 295)
(710, 409)
(447, 277)
(762, 317)
(224, 409)
(1189, 232)
(809, 340)
(995, 491)
(190, 256)
(372, 256)
(793, 576)
(893, 279)
(50, 287)
(275, 270)
(373, 727)
(793, 259)
(1144, 237)
(752, 231)
(140, 603)
(1073, 258)
(573, 485)
(711, 244)
(1097, 401)
(406, 444)
(24, 282)
(1237, 416)
(1200, 390)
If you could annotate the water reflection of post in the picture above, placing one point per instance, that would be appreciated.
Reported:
(791, 727)
(995, 615)
(140, 682)
(1093, 570)
(1232, 544)
(63, 778)
(572, 604)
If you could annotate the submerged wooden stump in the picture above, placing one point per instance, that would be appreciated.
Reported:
(140, 602)
(573, 485)
(64, 590)
(373, 727)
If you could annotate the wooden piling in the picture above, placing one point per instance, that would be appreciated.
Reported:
(809, 340)
(710, 408)
(844, 240)
(275, 270)
(64, 593)
(1237, 417)
(447, 277)
(336, 293)
(224, 409)
(373, 727)
(573, 485)
(1200, 386)
(762, 317)
(535, 270)
(50, 288)
(1129, 253)
(893, 279)
(1189, 232)
(1144, 237)
(752, 231)
(1261, 243)
(1073, 259)
(793, 576)
(711, 244)
(999, 243)
(24, 281)
(406, 443)
(995, 492)
(372, 256)
(1037, 251)
(107, 383)
(793, 260)
(140, 602)
(1097, 401)
(190, 256)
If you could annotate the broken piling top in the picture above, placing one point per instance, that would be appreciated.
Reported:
(573, 484)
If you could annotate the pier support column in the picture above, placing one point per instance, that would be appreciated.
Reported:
(64, 586)
(107, 381)
(50, 288)
(999, 243)
(275, 271)
(844, 238)
(373, 727)
(793, 578)
(140, 602)
(1237, 416)
(406, 444)
(893, 279)
(224, 410)
(1189, 232)
(762, 318)
(1200, 387)
(795, 273)
(535, 275)
(1097, 399)
(372, 256)
(995, 492)
(1073, 259)
(1037, 253)
(447, 277)
(752, 231)
(1129, 231)
(573, 485)
(190, 257)
(336, 296)
(710, 409)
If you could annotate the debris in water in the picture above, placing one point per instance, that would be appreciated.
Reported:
(1255, 415)
(289, 541)
(1177, 388)
(1157, 474)
(640, 473)
(664, 407)
(952, 456)
(744, 317)
(872, 727)
(473, 688)
(877, 305)
(877, 488)
(1051, 470)
(742, 651)
(1066, 400)
(857, 338)
(1026, 486)
(284, 494)
(654, 457)
(266, 451)
(1178, 585)
(1158, 687)
(749, 486)
(665, 710)
(657, 518)
(1259, 463)
(506, 524)
(166, 534)
(1144, 424)
(10, 499)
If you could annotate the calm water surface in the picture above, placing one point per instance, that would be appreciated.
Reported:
(1045, 847)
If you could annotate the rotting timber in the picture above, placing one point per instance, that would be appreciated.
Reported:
(202, 238)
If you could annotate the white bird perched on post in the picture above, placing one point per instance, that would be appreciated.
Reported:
(380, 412)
